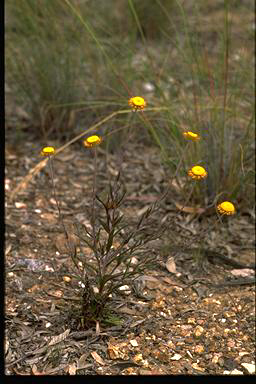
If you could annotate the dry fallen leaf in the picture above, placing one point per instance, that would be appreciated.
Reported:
(176, 356)
(6, 345)
(72, 369)
(59, 338)
(127, 310)
(170, 265)
(250, 367)
(7, 249)
(97, 358)
(97, 328)
(20, 205)
(49, 217)
(196, 210)
(242, 272)
(113, 351)
(83, 361)
(197, 367)
(67, 279)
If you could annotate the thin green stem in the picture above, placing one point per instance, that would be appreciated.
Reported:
(72, 252)
(107, 118)
(94, 195)
(55, 197)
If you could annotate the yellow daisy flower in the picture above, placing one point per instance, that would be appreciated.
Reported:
(47, 151)
(92, 141)
(137, 102)
(226, 208)
(191, 135)
(197, 172)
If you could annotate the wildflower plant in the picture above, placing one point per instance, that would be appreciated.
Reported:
(118, 253)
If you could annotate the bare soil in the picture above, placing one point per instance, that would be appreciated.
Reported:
(190, 315)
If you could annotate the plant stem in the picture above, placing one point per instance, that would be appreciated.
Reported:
(55, 197)
(94, 195)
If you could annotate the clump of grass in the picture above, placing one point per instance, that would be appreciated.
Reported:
(212, 95)
(204, 98)
(41, 65)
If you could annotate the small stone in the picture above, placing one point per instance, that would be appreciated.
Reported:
(20, 205)
(95, 289)
(197, 367)
(234, 372)
(176, 357)
(138, 358)
(231, 343)
(199, 349)
(216, 301)
(229, 314)
(149, 87)
(134, 343)
(250, 367)
(215, 358)
(48, 269)
(243, 353)
(125, 289)
(81, 284)
(191, 320)
(198, 331)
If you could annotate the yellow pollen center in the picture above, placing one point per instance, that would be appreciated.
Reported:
(227, 206)
(48, 150)
(92, 139)
(197, 170)
(138, 100)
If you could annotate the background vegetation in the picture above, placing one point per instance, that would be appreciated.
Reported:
(69, 63)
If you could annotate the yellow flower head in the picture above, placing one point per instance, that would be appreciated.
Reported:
(47, 151)
(197, 172)
(226, 208)
(137, 102)
(92, 141)
(191, 135)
